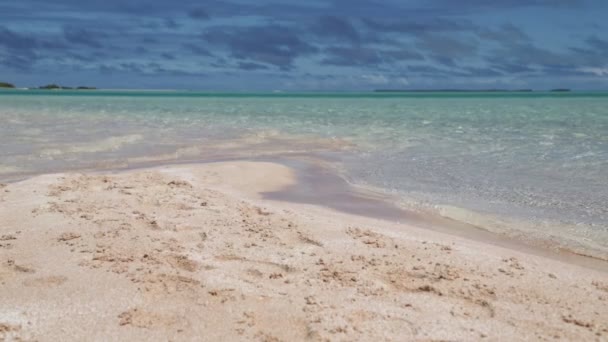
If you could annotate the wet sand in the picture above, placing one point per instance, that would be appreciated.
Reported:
(212, 251)
(320, 185)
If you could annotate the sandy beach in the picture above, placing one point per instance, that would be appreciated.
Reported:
(195, 252)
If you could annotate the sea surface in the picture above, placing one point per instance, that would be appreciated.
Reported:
(531, 165)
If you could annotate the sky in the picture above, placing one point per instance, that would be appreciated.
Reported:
(310, 45)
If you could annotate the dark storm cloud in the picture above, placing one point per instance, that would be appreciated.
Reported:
(509, 67)
(480, 72)
(417, 26)
(147, 69)
(426, 70)
(352, 56)
(505, 34)
(81, 36)
(529, 58)
(171, 23)
(336, 28)
(447, 46)
(593, 54)
(251, 66)
(518, 53)
(467, 71)
(140, 50)
(197, 49)
(598, 45)
(149, 40)
(81, 57)
(16, 41)
(132, 67)
(21, 63)
(369, 57)
(269, 44)
(444, 60)
(529, 55)
(403, 55)
(168, 56)
(20, 51)
(435, 39)
(198, 13)
(492, 4)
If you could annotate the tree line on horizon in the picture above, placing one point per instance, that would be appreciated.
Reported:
(48, 86)
(54, 86)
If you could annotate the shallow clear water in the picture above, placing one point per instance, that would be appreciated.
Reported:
(536, 158)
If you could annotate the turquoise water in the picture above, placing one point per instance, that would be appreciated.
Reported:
(515, 162)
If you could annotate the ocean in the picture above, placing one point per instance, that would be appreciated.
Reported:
(530, 165)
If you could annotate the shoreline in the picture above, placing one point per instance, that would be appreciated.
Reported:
(310, 169)
(183, 251)
(336, 193)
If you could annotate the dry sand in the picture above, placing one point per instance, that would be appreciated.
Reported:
(195, 253)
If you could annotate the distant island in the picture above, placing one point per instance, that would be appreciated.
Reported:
(51, 86)
(464, 90)
(59, 87)
(453, 90)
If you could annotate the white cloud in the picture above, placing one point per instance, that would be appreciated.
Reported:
(596, 71)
